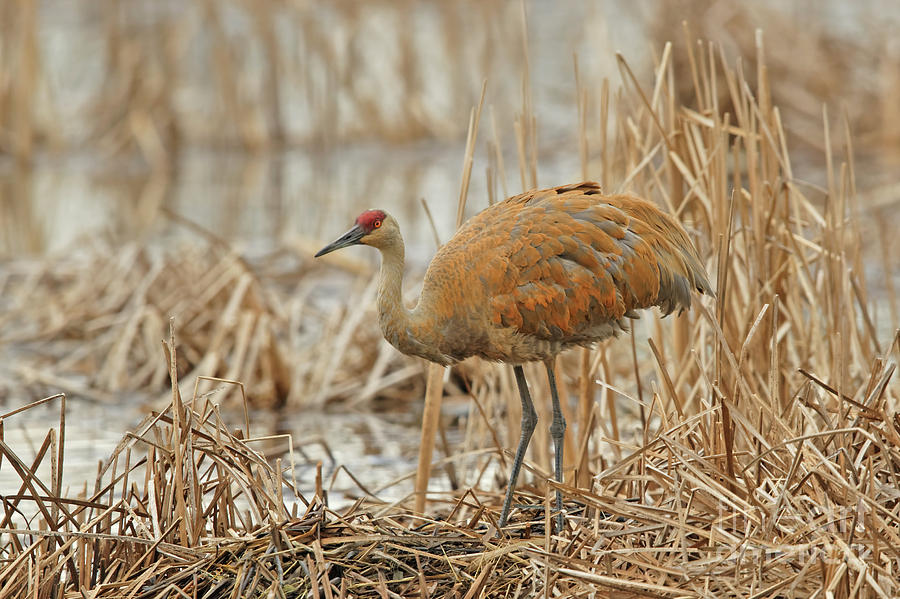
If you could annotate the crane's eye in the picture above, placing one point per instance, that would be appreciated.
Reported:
(376, 224)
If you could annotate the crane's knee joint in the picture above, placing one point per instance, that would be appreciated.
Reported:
(558, 427)
(529, 421)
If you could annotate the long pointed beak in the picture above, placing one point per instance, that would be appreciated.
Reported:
(351, 237)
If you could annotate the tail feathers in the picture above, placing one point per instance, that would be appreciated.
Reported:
(680, 274)
(680, 270)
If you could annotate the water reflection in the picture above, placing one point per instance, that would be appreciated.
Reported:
(254, 202)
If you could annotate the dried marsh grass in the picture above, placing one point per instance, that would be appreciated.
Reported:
(761, 458)
(809, 57)
(104, 309)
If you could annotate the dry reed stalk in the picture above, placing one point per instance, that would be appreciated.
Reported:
(434, 386)
(584, 474)
(27, 74)
(525, 124)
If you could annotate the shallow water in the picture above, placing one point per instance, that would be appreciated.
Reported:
(377, 448)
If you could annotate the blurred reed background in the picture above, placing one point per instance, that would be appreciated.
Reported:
(268, 120)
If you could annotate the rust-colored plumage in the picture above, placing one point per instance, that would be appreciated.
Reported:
(530, 277)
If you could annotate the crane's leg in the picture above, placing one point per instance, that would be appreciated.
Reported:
(557, 430)
(529, 421)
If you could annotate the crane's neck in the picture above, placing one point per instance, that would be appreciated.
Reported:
(403, 328)
(390, 285)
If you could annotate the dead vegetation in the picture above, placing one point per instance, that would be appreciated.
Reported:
(831, 60)
(753, 450)
(104, 310)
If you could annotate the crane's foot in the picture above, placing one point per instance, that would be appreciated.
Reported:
(531, 517)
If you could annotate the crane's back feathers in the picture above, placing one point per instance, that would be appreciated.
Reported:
(553, 268)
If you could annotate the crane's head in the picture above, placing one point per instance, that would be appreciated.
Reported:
(372, 227)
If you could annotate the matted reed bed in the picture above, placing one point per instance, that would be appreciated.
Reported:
(748, 448)
(188, 507)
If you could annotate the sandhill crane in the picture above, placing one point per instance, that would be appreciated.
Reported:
(529, 277)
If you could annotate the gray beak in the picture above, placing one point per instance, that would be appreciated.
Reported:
(351, 237)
